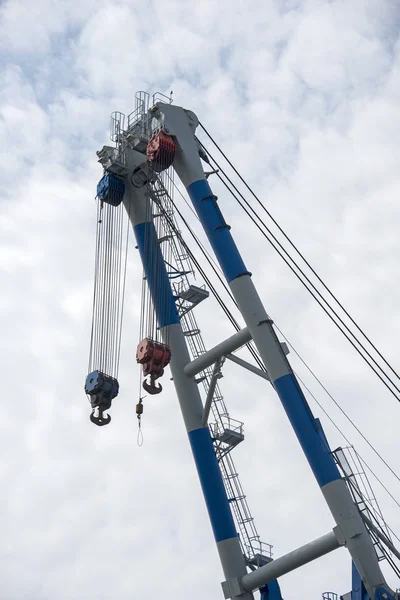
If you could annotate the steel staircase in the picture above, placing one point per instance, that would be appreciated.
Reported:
(226, 432)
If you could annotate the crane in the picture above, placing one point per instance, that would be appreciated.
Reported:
(150, 145)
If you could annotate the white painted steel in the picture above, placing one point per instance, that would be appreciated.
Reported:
(211, 390)
(207, 359)
(182, 124)
(357, 537)
(260, 327)
(248, 366)
(293, 560)
(189, 398)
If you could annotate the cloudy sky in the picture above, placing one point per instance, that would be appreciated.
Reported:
(304, 96)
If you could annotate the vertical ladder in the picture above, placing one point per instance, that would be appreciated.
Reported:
(227, 433)
(353, 473)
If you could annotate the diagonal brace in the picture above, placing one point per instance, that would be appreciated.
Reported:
(210, 395)
(284, 564)
(248, 366)
(207, 359)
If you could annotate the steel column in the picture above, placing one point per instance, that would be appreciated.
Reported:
(223, 526)
(236, 341)
(211, 391)
(248, 366)
(293, 560)
(182, 124)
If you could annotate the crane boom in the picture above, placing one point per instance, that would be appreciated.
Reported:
(167, 134)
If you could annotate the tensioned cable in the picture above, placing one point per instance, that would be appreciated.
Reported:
(350, 444)
(216, 268)
(338, 406)
(305, 285)
(206, 278)
(300, 253)
(109, 289)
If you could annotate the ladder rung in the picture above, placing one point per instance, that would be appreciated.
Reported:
(191, 332)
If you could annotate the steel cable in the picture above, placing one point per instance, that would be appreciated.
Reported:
(300, 254)
(312, 285)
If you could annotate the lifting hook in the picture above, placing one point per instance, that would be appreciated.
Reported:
(100, 420)
(152, 388)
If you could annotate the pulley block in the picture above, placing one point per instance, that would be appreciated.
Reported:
(102, 389)
(154, 356)
(160, 151)
(111, 189)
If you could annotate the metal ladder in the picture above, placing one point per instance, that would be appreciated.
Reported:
(353, 473)
(227, 433)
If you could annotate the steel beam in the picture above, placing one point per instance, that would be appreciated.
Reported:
(291, 561)
(182, 124)
(248, 366)
(207, 359)
(210, 395)
(227, 541)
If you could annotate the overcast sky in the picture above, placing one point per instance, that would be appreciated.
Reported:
(304, 96)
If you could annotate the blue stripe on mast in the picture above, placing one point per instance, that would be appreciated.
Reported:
(156, 274)
(218, 232)
(212, 484)
(312, 440)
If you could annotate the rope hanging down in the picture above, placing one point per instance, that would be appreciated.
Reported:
(153, 351)
(108, 298)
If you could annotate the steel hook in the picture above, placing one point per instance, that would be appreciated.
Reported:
(152, 388)
(100, 420)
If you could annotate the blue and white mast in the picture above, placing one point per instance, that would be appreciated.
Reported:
(350, 529)
(167, 124)
(136, 201)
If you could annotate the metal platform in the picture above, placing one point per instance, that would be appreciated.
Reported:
(194, 294)
(226, 432)
(230, 437)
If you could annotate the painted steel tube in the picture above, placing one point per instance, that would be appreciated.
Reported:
(293, 400)
(218, 232)
(248, 366)
(284, 564)
(211, 392)
(234, 342)
(201, 443)
(156, 274)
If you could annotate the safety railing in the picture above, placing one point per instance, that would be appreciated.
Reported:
(117, 126)
(226, 423)
(255, 551)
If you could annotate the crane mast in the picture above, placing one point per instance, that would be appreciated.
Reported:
(157, 137)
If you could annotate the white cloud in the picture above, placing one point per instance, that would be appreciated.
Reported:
(303, 96)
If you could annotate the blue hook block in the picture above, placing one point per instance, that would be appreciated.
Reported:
(101, 388)
(111, 189)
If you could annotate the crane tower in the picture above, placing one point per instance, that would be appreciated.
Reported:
(155, 141)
